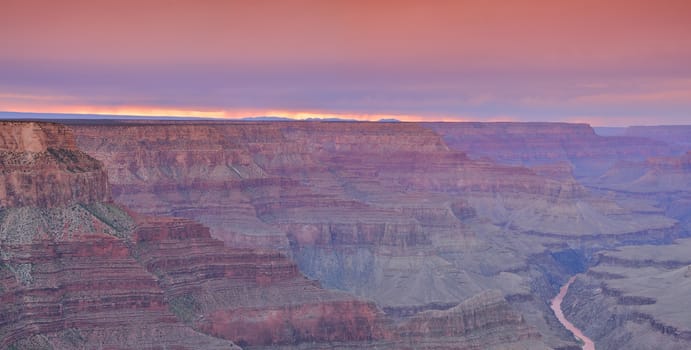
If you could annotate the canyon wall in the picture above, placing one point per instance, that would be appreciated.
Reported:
(542, 143)
(635, 298)
(41, 166)
(658, 184)
(677, 135)
(383, 210)
(82, 272)
(337, 235)
(68, 280)
(653, 175)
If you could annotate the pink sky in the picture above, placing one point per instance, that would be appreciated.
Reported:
(606, 62)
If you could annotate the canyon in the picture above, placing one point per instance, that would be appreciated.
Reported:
(341, 235)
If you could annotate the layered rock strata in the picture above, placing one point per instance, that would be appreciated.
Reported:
(40, 165)
(82, 272)
(654, 175)
(636, 297)
(383, 210)
(67, 279)
(253, 297)
(542, 143)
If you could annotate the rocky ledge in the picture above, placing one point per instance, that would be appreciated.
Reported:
(40, 166)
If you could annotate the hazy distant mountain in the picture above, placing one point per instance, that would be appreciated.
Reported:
(66, 116)
(267, 118)
(63, 116)
(609, 130)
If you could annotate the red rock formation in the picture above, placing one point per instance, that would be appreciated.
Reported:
(86, 292)
(248, 296)
(34, 137)
(315, 184)
(40, 166)
(259, 299)
(250, 177)
(67, 279)
(324, 322)
(171, 171)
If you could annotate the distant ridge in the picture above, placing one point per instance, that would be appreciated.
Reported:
(610, 130)
(267, 119)
(60, 116)
(286, 119)
(72, 116)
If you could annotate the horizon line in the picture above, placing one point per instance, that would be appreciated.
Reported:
(311, 117)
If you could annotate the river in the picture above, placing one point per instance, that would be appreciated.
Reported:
(556, 307)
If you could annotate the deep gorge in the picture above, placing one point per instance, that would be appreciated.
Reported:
(348, 235)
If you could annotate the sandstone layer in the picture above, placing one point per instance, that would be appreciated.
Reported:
(67, 279)
(253, 297)
(41, 166)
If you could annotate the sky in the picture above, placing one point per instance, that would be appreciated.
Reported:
(602, 62)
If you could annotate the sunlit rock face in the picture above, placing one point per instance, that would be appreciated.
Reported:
(41, 166)
(68, 279)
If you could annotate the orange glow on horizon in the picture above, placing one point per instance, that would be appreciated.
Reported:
(152, 111)
(236, 114)
(137, 111)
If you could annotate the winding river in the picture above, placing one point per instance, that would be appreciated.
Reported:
(556, 307)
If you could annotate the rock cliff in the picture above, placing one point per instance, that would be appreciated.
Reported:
(541, 143)
(636, 298)
(475, 318)
(253, 297)
(382, 211)
(654, 175)
(254, 179)
(67, 279)
(82, 272)
(41, 166)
